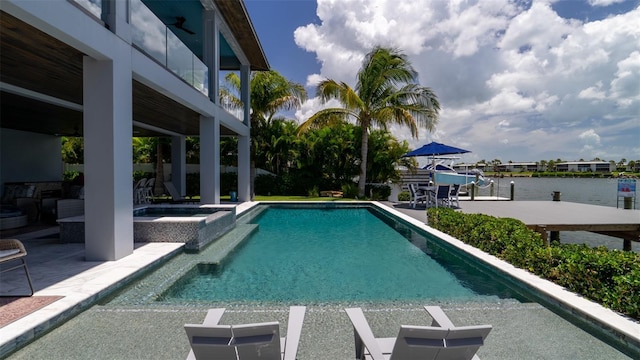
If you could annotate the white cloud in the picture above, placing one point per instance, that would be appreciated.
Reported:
(604, 2)
(590, 137)
(593, 92)
(498, 68)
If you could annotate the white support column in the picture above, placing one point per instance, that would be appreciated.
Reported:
(210, 127)
(107, 100)
(211, 52)
(116, 15)
(178, 164)
(245, 177)
(209, 160)
(244, 169)
(245, 93)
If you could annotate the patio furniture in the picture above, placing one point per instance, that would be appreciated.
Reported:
(23, 197)
(440, 194)
(175, 195)
(10, 250)
(147, 191)
(417, 195)
(441, 340)
(138, 191)
(211, 340)
(454, 195)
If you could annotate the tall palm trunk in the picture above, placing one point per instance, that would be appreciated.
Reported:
(363, 163)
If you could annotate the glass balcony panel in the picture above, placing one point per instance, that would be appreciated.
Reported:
(93, 6)
(179, 58)
(200, 76)
(232, 109)
(148, 32)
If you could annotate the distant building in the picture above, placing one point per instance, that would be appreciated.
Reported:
(586, 166)
(465, 167)
(518, 166)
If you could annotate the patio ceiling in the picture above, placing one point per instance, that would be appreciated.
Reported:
(36, 62)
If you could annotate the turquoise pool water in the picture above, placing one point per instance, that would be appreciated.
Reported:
(334, 255)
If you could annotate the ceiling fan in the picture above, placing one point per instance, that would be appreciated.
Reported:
(179, 24)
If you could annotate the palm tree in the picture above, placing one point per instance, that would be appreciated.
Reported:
(270, 92)
(385, 94)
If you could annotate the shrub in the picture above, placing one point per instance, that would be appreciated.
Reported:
(377, 192)
(404, 196)
(350, 191)
(267, 185)
(609, 277)
(313, 192)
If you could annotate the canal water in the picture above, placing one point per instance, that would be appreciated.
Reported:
(594, 191)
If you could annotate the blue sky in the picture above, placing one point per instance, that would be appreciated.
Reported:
(517, 80)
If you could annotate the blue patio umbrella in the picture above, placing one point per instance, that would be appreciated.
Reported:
(435, 149)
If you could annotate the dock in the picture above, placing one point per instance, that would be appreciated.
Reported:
(556, 216)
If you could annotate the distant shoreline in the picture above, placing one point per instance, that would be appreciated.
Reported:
(561, 175)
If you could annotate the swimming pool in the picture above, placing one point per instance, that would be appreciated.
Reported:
(133, 324)
(317, 255)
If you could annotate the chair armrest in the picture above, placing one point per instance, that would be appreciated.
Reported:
(294, 329)
(11, 249)
(439, 317)
(363, 335)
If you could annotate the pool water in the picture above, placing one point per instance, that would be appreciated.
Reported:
(335, 255)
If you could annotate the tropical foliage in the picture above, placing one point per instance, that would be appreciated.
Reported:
(610, 277)
(270, 92)
(385, 94)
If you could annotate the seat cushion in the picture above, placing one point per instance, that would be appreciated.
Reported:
(7, 253)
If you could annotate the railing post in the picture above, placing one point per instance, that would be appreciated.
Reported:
(473, 190)
(491, 188)
(513, 191)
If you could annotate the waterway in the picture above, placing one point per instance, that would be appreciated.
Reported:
(594, 191)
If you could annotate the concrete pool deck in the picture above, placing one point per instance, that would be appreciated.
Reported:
(157, 332)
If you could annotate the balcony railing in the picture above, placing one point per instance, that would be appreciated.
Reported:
(156, 40)
(94, 7)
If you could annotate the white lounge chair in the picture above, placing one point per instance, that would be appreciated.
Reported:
(441, 340)
(138, 191)
(210, 340)
(175, 195)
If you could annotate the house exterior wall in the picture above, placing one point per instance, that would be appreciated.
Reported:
(41, 152)
(110, 65)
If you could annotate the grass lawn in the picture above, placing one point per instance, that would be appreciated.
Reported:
(297, 198)
(227, 198)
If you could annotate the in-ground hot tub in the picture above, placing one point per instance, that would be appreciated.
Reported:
(194, 225)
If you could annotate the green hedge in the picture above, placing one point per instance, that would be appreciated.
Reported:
(609, 277)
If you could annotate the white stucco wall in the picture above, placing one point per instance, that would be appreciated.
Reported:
(26, 156)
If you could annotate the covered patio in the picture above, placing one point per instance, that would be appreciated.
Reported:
(68, 71)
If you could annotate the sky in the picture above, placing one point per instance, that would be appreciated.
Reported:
(517, 80)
